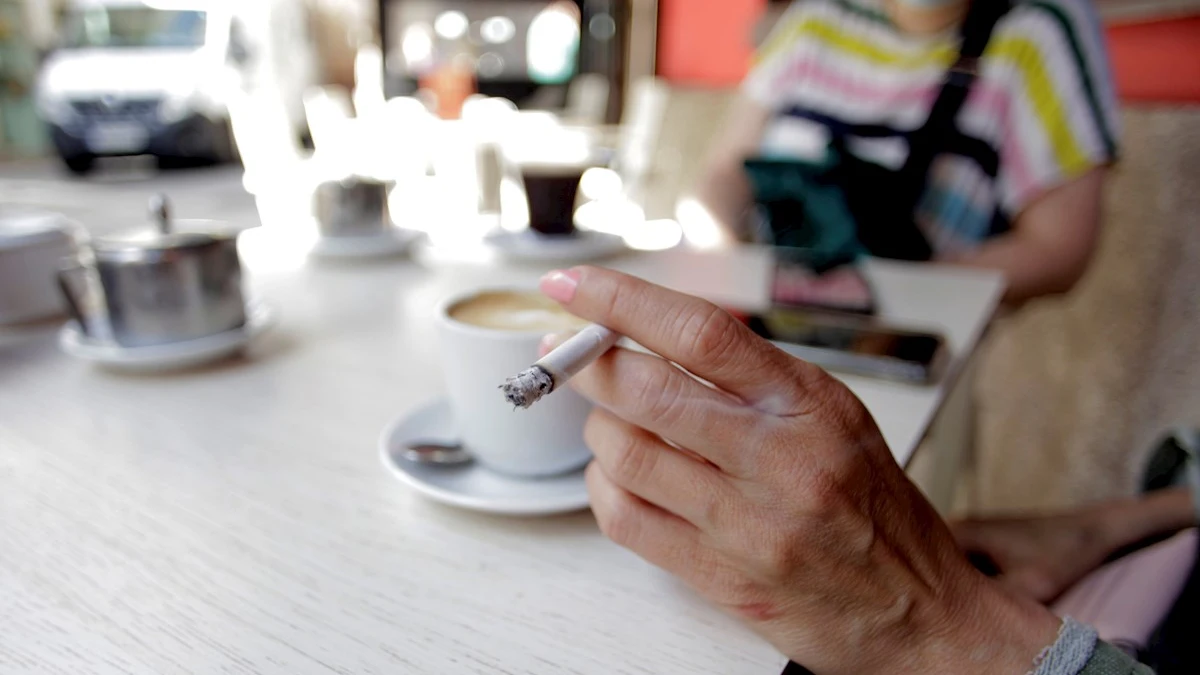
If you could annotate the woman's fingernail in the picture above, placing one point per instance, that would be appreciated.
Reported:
(560, 285)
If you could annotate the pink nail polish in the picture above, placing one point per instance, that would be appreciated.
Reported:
(560, 285)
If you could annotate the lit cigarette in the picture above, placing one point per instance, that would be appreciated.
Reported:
(561, 364)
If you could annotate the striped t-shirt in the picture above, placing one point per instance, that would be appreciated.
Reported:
(1043, 105)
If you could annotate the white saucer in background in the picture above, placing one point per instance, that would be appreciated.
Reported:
(391, 242)
(529, 246)
(165, 357)
(472, 486)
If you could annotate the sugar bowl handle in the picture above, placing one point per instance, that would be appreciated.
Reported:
(160, 213)
(70, 270)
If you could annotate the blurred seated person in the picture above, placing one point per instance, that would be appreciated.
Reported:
(1122, 565)
(1008, 151)
(1042, 556)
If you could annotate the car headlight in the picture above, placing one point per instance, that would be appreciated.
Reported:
(175, 107)
(55, 109)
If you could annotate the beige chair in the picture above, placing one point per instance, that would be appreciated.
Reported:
(1113, 362)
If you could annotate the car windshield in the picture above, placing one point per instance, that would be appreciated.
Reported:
(134, 27)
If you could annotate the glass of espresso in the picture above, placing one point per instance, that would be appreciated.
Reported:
(487, 336)
(550, 192)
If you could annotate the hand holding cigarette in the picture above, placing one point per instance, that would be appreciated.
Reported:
(561, 364)
(762, 482)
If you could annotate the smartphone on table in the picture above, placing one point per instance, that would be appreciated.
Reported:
(807, 279)
(852, 344)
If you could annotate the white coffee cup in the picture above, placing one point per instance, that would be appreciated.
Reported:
(544, 440)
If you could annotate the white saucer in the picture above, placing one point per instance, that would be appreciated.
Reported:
(472, 486)
(528, 246)
(173, 356)
(392, 242)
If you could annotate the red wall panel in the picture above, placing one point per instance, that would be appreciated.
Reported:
(1157, 60)
(706, 42)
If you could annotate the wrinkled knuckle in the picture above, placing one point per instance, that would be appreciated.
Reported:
(837, 404)
(809, 385)
(739, 589)
(769, 550)
(712, 508)
(656, 391)
(595, 431)
(823, 497)
(621, 294)
(621, 522)
(748, 599)
(806, 373)
(629, 462)
(762, 611)
(709, 333)
(776, 557)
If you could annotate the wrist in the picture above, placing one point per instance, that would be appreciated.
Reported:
(992, 633)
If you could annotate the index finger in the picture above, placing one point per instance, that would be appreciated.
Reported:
(696, 334)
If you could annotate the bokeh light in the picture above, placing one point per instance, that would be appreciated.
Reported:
(497, 30)
(451, 25)
(699, 226)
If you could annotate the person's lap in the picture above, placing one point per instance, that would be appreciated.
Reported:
(1127, 599)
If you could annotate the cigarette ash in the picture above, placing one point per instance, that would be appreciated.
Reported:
(528, 387)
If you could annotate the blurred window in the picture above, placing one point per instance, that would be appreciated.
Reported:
(553, 43)
(507, 41)
(134, 27)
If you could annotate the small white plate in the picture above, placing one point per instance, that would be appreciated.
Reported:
(529, 246)
(393, 242)
(472, 486)
(172, 356)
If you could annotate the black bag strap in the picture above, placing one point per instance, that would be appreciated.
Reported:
(925, 143)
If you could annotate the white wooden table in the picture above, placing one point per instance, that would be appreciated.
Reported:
(236, 519)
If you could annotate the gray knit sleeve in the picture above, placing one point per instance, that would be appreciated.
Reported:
(1108, 660)
(1078, 651)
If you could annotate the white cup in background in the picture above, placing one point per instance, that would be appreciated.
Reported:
(544, 440)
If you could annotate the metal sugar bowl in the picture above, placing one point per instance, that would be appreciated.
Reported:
(156, 285)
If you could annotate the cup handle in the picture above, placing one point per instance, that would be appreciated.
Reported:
(72, 267)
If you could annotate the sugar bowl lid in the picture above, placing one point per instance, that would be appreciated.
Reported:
(165, 235)
(21, 227)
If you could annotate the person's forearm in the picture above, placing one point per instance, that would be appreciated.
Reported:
(1029, 272)
(1078, 651)
(1108, 660)
(1004, 635)
(1162, 512)
(1050, 243)
(723, 190)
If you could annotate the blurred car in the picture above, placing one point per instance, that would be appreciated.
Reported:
(155, 77)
